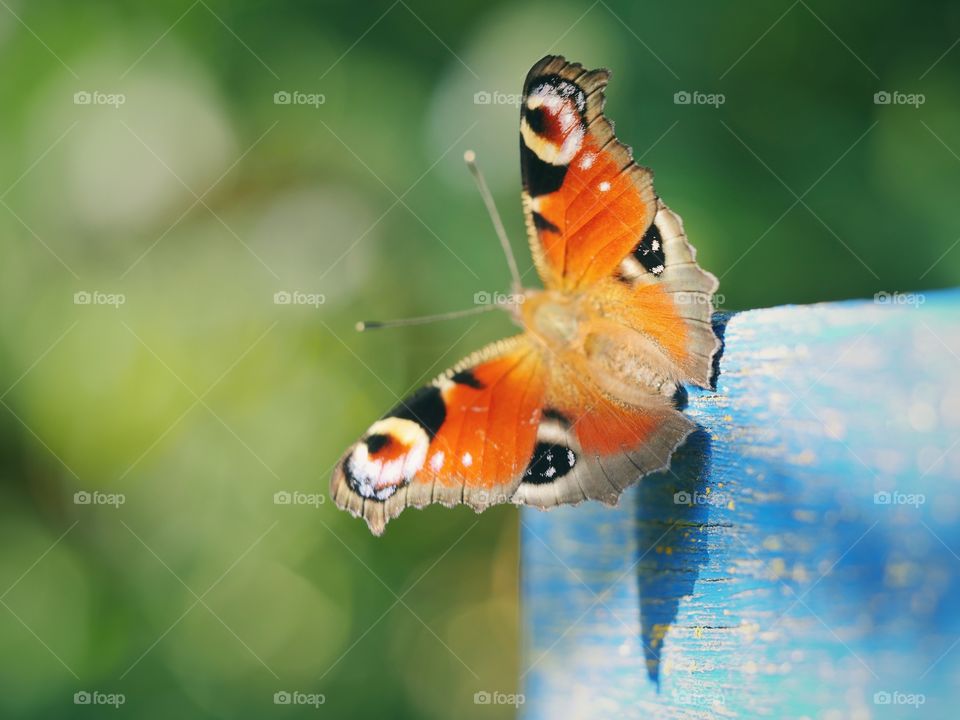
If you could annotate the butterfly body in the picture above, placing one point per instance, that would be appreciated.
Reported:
(579, 405)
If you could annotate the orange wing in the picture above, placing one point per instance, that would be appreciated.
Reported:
(587, 204)
(591, 446)
(465, 438)
(509, 424)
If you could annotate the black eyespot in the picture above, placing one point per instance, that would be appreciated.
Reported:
(649, 251)
(549, 463)
(376, 442)
(536, 119)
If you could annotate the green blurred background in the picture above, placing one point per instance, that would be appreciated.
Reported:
(199, 196)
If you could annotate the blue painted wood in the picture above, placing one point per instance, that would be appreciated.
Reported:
(802, 557)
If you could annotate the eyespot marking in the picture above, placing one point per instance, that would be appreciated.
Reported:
(649, 251)
(549, 463)
(393, 452)
(377, 442)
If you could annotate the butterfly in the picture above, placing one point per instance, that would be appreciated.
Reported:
(579, 405)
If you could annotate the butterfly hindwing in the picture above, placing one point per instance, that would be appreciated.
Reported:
(672, 296)
(591, 447)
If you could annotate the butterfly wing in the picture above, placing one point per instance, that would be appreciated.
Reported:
(467, 437)
(586, 202)
(590, 446)
(511, 423)
(593, 216)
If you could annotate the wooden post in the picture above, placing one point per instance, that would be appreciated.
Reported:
(801, 559)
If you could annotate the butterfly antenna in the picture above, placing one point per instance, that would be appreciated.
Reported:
(423, 320)
(470, 157)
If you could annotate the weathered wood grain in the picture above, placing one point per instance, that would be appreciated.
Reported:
(764, 576)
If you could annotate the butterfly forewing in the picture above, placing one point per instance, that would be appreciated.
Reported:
(467, 437)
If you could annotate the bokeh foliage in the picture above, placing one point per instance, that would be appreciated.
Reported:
(199, 198)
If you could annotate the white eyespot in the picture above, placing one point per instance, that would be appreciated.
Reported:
(374, 477)
(565, 105)
(586, 161)
(436, 462)
(467, 459)
(571, 457)
(604, 186)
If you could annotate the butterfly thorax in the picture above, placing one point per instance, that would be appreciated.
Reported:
(554, 318)
(590, 341)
